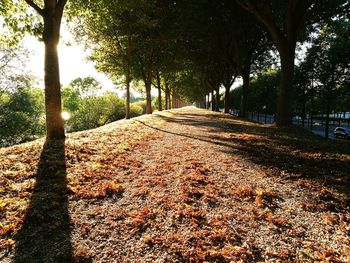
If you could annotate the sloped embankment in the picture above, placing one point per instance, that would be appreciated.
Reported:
(189, 187)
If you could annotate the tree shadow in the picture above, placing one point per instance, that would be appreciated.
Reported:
(45, 233)
(295, 151)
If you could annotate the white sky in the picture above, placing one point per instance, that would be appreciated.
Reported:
(73, 61)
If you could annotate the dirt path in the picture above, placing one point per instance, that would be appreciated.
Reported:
(190, 194)
(194, 186)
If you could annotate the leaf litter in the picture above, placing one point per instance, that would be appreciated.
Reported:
(191, 186)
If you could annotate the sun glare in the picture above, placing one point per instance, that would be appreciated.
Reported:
(65, 115)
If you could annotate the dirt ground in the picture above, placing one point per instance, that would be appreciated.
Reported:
(186, 186)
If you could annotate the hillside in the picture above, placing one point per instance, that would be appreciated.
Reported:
(186, 185)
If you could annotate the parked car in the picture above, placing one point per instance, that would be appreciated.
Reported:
(343, 133)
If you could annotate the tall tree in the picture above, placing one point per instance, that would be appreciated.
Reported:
(51, 12)
(330, 60)
(52, 15)
(285, 20)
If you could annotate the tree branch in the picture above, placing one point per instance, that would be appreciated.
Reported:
(61, 4)
(265, 16)
(35, 7)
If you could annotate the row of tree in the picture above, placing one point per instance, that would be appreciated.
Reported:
(22, 109)
(185, 49)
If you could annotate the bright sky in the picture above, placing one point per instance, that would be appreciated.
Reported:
(72, 58)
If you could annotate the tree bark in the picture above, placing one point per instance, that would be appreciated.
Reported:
(53, 107)
(159, 93)
(284, 112)
(127, 81)
(217, 98)
(212, 101)
(148, 84)
(127, 99)
(245, 93)
(148, 99)
(227, 99)
(166, 96)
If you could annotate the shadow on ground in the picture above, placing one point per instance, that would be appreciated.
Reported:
(289, 152)
(45, 233)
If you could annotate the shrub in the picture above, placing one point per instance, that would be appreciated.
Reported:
(135, 110)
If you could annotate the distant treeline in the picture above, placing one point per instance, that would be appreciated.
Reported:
(22, 110)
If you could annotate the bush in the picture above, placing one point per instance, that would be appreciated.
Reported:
(21, 116)
(142, 104)
(135, 110)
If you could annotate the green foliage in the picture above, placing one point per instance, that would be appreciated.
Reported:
(322, 79)
(18, 19)
(262, 93)
(140, 103)
(94, 111)
(155, 102)
(70, 99)
(135, 110)
(21, 115)
(86, 87)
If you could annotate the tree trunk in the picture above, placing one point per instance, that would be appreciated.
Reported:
(284, 113)
(148, 84)
(159, 93)
(127, 81)
(127, 106)
(54, 121)
(170, 99)
(227, 99)
(212, 101)
(245, 93)
(148, 99)
(217, 98)
(166, 96)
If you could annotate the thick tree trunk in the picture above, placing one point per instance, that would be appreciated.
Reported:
(245, 93)
(227, 99)
(159, 93)
(148, 99)
(217, 98)
(54, 121)
(284, 105)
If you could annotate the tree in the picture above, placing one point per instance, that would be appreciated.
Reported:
(285, 20)
(244, 46)
(330, 59)
(51, 13)
(86, 87)
(12, 60)
(21, 115)
(109, 30)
